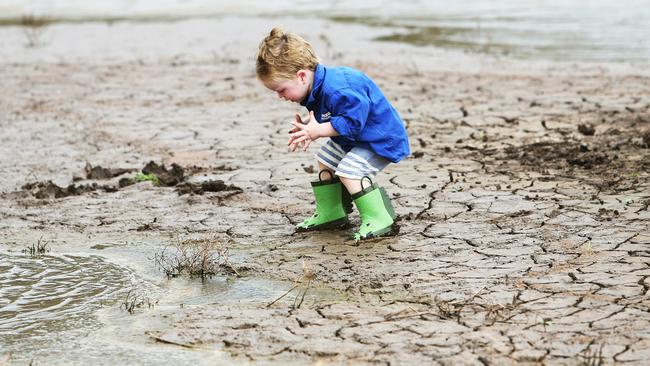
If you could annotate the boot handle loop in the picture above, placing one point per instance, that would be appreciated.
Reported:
(368, 178)
(323, 171)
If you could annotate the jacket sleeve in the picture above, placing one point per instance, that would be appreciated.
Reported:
(349, 112)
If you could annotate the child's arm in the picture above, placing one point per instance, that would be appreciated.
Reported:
(350, 110)
(312, 130)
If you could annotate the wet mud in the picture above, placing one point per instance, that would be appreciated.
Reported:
(604, 160)
(157, 173)
(99, 172)
(524, 238)
(45, 190)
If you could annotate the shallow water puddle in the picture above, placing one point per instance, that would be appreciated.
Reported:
(47, 301)
(51, 293)
(249, 290)
(65, 307)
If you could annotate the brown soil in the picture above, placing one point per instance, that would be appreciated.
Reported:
(524, 238)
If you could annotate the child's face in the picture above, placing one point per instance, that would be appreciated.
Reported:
(294, 90)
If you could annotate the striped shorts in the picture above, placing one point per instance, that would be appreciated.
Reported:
(355, 164)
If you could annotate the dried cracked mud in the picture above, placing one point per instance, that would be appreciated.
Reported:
(524, 222)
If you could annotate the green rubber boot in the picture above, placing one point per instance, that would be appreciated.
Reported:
(377, 213)
(333, 203)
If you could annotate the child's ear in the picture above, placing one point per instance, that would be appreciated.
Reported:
(302, 75)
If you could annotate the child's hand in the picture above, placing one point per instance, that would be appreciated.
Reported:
(295, 129)
(303, 134)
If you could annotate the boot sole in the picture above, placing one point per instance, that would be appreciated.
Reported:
(391, 230)
(328, 225)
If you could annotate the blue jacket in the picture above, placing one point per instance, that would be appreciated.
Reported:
(358, 111)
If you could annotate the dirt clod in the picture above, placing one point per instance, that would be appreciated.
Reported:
(99, 172)
(48, 190)
(207, 186)
(646, 139)
(586, 129)
(167, 177)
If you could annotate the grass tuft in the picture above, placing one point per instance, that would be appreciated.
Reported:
(133, 301)
(39, 248)
(194, 258)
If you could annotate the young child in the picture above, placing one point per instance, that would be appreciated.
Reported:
(365, 132)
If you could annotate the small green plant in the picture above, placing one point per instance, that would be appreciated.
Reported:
(142, 177)
(482, 136)
(544, 322)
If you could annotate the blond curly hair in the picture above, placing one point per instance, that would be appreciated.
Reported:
(282, 54)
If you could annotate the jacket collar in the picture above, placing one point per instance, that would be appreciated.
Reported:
(319, 76)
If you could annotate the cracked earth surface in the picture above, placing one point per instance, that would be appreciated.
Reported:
(523, 240)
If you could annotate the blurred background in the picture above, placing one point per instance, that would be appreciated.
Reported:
(595, 30)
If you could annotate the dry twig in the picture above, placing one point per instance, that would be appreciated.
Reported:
(307, 275)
